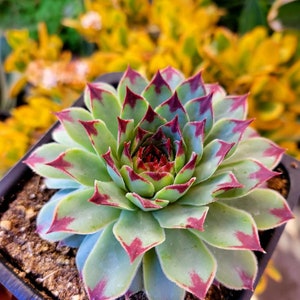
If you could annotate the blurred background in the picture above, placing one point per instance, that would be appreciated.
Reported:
(50, 49)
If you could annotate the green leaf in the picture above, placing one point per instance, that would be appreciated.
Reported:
(108, 272)
(138, 232)
(157, 285)
(229, 228)
(186, 261)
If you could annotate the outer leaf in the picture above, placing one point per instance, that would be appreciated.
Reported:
(180, 216)
(200, 109)
(267, 207)
(261, 149)
(134, 107)
(101, 100)
(109, 194)
(70, 211)
(47, 152)
(108, 272)
(138, 232)
(233, 106)
(171, 108)
(157, 91)
(206, 191)
(82, 166)
(157, 285)
(61, 136)
(242, 265)
(249, 173)
(70, 118)
(133, 80)
(213, 155)
(172, 76)
(191, 88)
(186, 261)
(229, 228)
(100, 136)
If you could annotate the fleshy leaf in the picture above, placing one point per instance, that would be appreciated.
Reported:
(172, 76)
(125, 132)
(108, 272)
(47, 152)
(158, 179)
(133, 80)
(233, 106)
(261, 149)
(151, 120)
(196, 271)
(61, 136)
(157, 91)
(100, 136)
(134, 107)
(213, 155)
(138, 232)
(109, 194)
(206, 191)
(136, 183)
(228, 130)
(68, 216)
(172, 130)
(267, 207)
(200, 109)
(249, 173)
(242, 265)
(171, 108)
(181, 216)
(174, 191)
(146, 204)
(70, 119)
(226, 227)
(180, 155)
(191, 88)
(157, 285)
(82, 166)
(187, 171)
(103, 103)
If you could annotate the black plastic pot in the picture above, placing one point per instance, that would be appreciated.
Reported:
(14, 179)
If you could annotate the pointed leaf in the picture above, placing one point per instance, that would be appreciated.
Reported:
(100, 136)
(174, 191)
(180, 216)
(233, 106)
(213, 155)
(151, 120)
(193, 135)
(186, 261)
(146, 204)
(125, 132)
(228, 130)
(200, 109)
(138, 232)
(157, 285)
(172, 76)
(206, 191)
(191, 88)
(60, 135)
(158, 179)
(229, 228)
(249, 173)
(133, 80)
(171, 108)
(136, 183)
(134, 107)
(70, 119)
(38, 159)
(187, 171)
(259, 148)
(70, 212)
(267, 207)
(108, 272)
(157, 91)
(180, 155)
(104, 104)
(109, 194)
(242, 265)
(82, 166)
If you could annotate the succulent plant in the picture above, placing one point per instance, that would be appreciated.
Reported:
(161, 186)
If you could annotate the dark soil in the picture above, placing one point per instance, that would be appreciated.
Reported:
(47, 265)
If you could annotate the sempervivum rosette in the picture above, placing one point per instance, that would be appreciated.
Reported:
(161, 185)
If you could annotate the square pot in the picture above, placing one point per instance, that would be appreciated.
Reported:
(20, 173)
